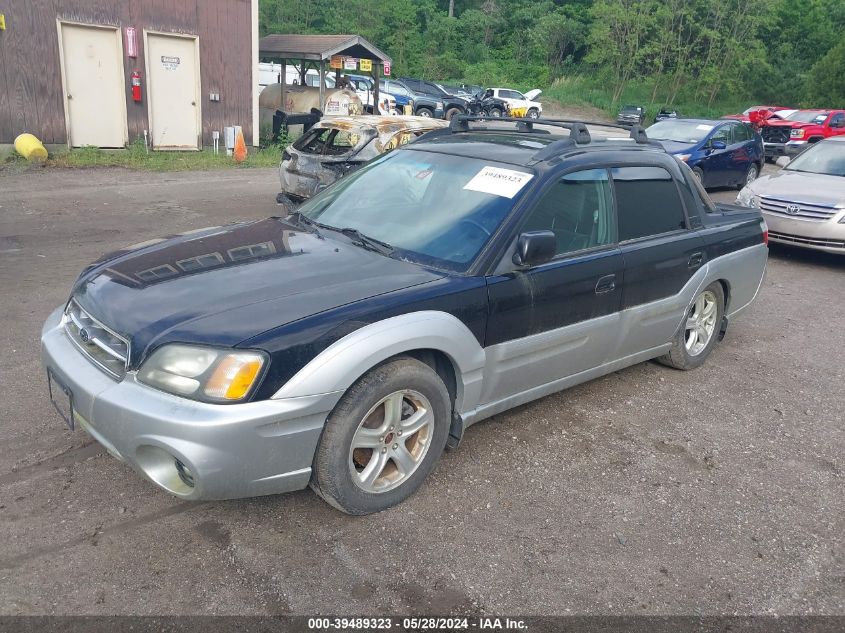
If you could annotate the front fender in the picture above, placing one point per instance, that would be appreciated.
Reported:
(336, 368)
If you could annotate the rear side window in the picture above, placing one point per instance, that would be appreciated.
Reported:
(647, 202)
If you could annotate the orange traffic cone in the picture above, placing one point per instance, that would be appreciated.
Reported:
(240, 148)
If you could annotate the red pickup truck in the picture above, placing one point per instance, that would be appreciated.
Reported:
(790, 136)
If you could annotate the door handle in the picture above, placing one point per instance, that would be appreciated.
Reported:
(695, 260)
(605, 284)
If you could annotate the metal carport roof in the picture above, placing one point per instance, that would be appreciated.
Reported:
(318, 47)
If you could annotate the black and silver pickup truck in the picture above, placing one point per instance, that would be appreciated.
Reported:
(345, 345)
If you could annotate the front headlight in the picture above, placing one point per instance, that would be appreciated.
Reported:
(683, 157)
(203, 373)
(797, 134)
(746, 198)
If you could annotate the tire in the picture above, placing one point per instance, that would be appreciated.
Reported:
(750, 176)
(696, 171)
(452, 112)
(533, 113)
(340, 472)
(426, 112)
(688, 349)
(496, 113)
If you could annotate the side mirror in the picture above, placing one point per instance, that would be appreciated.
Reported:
(535, 248)
(783, 161)
(718, 145)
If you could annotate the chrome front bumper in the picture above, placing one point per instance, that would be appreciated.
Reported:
(230, 451)
(824, 235)
(790, 148)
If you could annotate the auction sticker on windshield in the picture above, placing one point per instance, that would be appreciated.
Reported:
(498, 182)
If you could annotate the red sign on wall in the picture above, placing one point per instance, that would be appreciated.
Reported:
(387, 69)
(131, 45)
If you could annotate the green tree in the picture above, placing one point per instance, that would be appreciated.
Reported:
(825, 86)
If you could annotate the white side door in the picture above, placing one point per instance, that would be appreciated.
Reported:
(92, 74)
(173, 93)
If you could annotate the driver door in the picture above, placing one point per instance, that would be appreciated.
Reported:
(557, 319)
(718, 165)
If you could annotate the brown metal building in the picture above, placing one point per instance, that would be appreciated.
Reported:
(67, 69)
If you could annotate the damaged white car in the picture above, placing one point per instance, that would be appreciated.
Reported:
(338, 145)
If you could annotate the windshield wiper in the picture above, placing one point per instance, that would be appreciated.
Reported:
(366, 241)
(297, 217)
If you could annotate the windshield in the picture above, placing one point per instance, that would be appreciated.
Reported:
(755, 108)
(679, 131)
(808, 117)
(827, 157)
(433, 209)
(631, 110)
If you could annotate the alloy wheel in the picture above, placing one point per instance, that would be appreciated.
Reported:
(751, 176)
(701, 323)
(391, 441)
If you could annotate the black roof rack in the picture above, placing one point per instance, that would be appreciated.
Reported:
(578, 131)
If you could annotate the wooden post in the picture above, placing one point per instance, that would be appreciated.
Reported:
(375, 87)
(302, 69)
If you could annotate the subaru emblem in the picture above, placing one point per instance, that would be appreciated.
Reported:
(793, 209)
(84, 336)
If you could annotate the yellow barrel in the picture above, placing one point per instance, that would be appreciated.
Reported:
(519, 113)
(409, 109)
(30, 147)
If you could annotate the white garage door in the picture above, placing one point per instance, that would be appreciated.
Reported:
(93, 81)
(173, 75)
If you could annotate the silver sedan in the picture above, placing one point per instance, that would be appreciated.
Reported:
(804, 203)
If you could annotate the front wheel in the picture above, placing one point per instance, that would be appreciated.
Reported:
(750, 176)
(383, 438)
(451, 112)
(696, 171)
(700, 330)
(496, 113)
(425, 112)
(533, 113)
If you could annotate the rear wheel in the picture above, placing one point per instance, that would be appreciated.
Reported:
(383, 438)
(700, 330)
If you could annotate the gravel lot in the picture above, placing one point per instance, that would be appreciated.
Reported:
(649, 491)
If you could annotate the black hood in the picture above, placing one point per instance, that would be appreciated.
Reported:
(224, 285)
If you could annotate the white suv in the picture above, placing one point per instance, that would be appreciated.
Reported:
(515, 99)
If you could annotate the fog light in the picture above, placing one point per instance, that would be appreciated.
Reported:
(185, 474)
(165, 469)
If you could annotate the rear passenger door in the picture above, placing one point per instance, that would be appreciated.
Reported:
(559, 318)
(660, 255)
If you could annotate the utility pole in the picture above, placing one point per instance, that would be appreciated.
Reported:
(451, 8)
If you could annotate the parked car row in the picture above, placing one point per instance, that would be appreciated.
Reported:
(731, 151)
